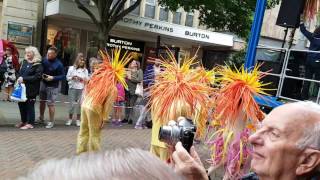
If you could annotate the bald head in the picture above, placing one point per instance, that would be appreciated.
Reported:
(287, 142)
(301, 120)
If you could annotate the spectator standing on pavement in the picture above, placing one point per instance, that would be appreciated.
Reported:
(118, 106)
(3, 69)
(53, 73)
(134, 77)
(144, 112)
(30, 74)
(312, 66)
(77, 77)
(152, 70)
(10, 74)
(148, 79)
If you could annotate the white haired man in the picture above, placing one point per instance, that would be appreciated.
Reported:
(285, 147)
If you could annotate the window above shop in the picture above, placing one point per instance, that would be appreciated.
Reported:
(176, 18)
(136, 11)
(164, 14)
(189, 19)
(88, 2)
(150, 8)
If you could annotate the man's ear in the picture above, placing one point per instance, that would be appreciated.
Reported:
(309, 161)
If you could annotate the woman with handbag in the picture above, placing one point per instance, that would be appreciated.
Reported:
(134, 77)
(30, 74)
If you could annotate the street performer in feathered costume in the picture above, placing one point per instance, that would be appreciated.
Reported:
(237, 114)
(178, 91)
(99, 96)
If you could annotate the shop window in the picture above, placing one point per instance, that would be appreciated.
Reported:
(189, 20)
(150, 8)
(136, 11)
(114, 2)
(176, 18)
(86, 2)
(66, 40)
(164, 14)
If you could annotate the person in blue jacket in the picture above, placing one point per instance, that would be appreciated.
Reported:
(312, 65)
(53, 73)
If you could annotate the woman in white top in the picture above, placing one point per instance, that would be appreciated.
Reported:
(77, 76)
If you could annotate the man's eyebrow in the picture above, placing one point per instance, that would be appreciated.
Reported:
(272, 127)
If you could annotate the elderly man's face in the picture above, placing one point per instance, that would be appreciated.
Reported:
(275, 151)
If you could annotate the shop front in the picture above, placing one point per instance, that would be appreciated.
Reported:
(71, 31)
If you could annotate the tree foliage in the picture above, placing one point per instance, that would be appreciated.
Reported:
(222, 15)
(109, 13)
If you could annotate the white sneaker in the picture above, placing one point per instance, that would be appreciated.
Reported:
(49, 125)
(68, 122)
(78, 122)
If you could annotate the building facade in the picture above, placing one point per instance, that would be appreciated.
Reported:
(21, 22)
(140, 31)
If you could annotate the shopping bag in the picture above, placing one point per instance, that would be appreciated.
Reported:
(19, 93)
(139, 90)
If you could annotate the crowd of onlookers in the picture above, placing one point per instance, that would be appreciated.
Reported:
(42, 77)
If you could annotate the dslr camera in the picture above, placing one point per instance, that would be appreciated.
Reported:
(184, 131)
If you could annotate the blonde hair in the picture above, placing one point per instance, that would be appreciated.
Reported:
(77, 61)
(36, 55)
(121, 164)
(94, 62)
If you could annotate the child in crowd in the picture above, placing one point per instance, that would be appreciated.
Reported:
(118, 106)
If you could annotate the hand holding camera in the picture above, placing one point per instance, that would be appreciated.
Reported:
(184, 132)
(188, 165)
(185, 159)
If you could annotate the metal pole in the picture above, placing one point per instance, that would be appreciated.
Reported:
(255, 34)
(285, 37)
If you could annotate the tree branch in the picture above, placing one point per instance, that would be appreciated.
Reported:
(87, 11)
(107, 11)
(117, 7)
(117, 18)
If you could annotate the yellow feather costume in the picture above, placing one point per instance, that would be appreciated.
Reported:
(178, 91)
(99, 96)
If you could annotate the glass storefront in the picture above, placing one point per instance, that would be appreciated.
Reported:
(66, 40)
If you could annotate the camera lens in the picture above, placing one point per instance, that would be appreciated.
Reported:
(169, 134)
(165, 134)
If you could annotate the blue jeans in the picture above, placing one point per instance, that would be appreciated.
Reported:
(27, 111)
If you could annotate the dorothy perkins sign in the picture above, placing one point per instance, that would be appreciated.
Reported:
(174, 30)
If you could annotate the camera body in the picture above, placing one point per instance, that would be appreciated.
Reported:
(184, 132)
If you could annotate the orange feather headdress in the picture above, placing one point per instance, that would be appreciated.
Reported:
(237, 114)
(110, 72)
(180, 90)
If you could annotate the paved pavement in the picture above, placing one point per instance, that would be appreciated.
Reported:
(21, 150)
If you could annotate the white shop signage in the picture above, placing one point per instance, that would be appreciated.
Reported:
(176, 30)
